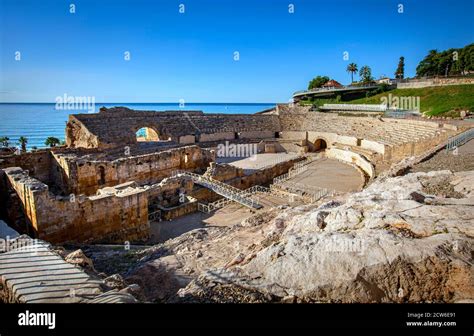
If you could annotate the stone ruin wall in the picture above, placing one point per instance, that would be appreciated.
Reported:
(65, 173)
(38, 163)
(235, 177)
(57, 219)
(435, 82)
(293, 122)
(87, 176)
(95, 130)
(299, 124)
(119, 213)
(115, 215)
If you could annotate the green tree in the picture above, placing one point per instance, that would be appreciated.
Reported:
(452, 61)
(5, 141)
(52, 142)
(23, 141)
(365, 74)
(400, 72)
(317, 82)
(466, 59)
(352, 69)
(429, 65)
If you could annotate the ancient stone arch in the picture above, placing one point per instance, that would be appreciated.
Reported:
(150, 133)
(101, 176)
(320, 144)
(118, 126)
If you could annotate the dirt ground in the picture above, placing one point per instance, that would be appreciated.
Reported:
(461, 161)
(231, 214)
(330, 174)
(256, 162)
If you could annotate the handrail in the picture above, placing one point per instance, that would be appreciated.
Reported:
(207, 208)
(297, 168)
(460, 139)
(220, 188)
(346, 87)
(355, 107)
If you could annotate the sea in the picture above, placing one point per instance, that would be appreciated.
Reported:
(37, 121)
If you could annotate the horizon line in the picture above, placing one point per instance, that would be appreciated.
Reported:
(176, 103)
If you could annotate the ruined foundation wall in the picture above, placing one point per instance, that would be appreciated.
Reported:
(265, 176)
(94, 130)
(234, 176)
(352, 158)
(38, 163)
(115, 215)
(86, 177)
(105, 218)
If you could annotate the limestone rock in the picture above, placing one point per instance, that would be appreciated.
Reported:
(384, 244)
(80, 259)
(115, 281)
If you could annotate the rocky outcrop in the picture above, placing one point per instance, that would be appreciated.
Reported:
(80, 259)
(392, 242)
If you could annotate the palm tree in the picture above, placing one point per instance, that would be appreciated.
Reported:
(52, 142)
(23, 141)
(365, 74)
(5, 141)
(352, 69)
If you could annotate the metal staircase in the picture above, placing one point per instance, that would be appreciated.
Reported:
(228, 191)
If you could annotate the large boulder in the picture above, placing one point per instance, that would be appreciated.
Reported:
(392, 242)
(78, 258)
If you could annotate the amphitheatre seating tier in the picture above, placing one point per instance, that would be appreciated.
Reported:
(117, 126)
(385, 131)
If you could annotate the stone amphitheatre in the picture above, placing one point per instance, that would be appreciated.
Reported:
(325, 209)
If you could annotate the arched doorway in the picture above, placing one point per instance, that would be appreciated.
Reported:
(101, 175)
(320, 144)
(147, 134)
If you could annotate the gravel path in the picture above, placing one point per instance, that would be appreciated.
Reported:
(464, 160)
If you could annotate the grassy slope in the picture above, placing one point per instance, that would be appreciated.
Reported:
(433, 100)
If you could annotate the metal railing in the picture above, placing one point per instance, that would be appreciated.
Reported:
(297, 168)
(155, 216)
(255, 189)
(220, 188)
(460, 139)
(208, 208)
(400, 114)
(355, 107)
(342, 88)
(311, 194)
(297, 190)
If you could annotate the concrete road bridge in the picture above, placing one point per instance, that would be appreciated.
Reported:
(332, 92)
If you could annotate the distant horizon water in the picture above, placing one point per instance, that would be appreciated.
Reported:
(37, 121)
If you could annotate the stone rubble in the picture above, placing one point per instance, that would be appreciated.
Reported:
(386, 243)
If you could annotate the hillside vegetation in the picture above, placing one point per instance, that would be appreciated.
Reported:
(433, 100)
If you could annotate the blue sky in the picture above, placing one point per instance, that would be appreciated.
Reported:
(190, 56)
